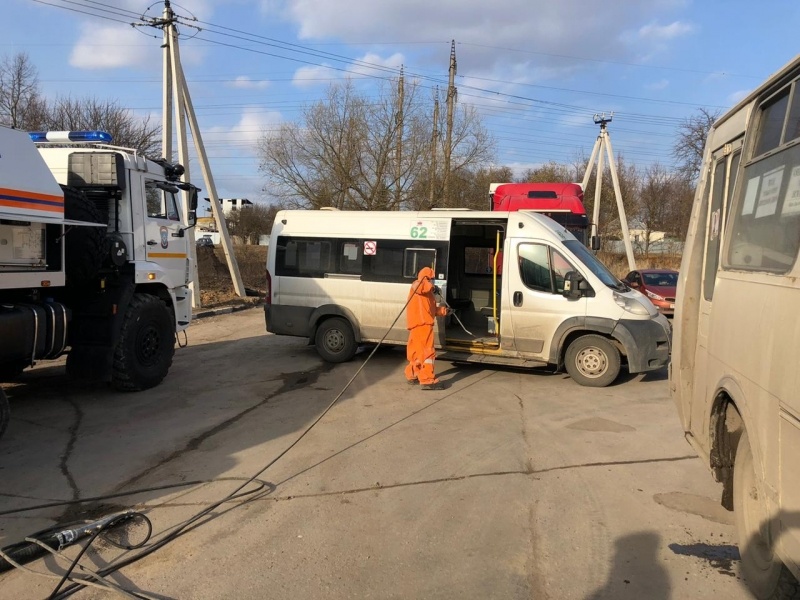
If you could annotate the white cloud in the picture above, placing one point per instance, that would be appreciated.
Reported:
(535, 39)
(245, 134)
(308, 76)
(243, 82)
(112, 46)
(661, 33)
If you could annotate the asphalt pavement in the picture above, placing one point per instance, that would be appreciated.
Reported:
(507, 484)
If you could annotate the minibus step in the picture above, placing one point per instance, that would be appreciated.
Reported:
(487, 359)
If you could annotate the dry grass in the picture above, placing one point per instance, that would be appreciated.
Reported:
(618, 263)
(216, 285)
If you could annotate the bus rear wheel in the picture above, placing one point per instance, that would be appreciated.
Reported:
(335, 341)
(592, 361)
(765, 574)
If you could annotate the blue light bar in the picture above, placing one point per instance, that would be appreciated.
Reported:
(66, 137)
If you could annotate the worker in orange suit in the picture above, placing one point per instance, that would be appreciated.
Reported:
(421, 313)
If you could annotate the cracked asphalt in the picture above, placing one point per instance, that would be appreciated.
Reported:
(507, 484)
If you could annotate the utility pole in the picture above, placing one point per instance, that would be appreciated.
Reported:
(176, 95)
(603, 142)
(451, 100)
(398, 168)
(434, 145)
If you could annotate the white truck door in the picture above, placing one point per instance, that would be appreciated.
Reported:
(162, 220)
(535, 307)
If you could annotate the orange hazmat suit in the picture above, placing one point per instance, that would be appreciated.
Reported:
(421, 313)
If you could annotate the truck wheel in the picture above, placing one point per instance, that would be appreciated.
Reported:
(335, 341)
(763, 571)
(5, 412)
(144, 352)
(592, 361)
(86, 247)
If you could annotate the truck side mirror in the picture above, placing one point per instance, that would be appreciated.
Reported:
(193, 200)
(191, 218)
(573, 288)
(595, 242)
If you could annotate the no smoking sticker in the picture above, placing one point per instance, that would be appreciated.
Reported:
(370, 248)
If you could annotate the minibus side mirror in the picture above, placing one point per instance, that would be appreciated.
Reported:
(574, 285)
(595, 242)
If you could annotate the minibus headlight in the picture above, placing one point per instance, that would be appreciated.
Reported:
(635, 305)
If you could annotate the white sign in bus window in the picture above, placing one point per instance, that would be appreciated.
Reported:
(791, 204)
(350, 251)
(750, 195)
(770, 191)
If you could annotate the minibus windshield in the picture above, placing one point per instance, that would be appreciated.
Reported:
(595, 266)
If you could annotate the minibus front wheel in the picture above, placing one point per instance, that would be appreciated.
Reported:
(592, 360)
(335, 341)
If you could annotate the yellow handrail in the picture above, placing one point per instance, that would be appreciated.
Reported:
(494, 286)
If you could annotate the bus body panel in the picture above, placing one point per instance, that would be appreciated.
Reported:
(737, 332)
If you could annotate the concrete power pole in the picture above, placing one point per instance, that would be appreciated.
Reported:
(434, 146)
(451, 100)
(398, 168)
(603, 142)
(176, 95)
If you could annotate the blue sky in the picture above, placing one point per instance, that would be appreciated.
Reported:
(536, 70)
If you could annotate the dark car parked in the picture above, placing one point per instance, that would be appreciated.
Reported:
(658, 285)
(205, 241)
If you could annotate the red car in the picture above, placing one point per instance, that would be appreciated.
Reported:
(658, 285)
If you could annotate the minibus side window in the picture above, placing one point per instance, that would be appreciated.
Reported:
(303, 258)
(350, 257)
(542, 268)
(417, 258)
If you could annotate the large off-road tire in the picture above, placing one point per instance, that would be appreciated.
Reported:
(5, 412)
(146, 346)
(763, 571)
(335, 341)
(86, 247)
(593, 361)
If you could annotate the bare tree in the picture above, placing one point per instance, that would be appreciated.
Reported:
(126, 129)
(249, 223)
(690, 141)
(21, 104)
(610, 227)
(551, 172)
(655, 202)
(346, 154)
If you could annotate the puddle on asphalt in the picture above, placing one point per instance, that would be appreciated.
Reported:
(719, 556)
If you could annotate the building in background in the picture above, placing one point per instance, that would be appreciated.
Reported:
(230, 204)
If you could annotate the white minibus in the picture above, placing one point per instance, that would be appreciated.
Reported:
(526, 292)
(735, 373)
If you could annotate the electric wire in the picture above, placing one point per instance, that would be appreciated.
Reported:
(176, 532)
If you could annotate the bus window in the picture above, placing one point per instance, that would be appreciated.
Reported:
(714, 230)
(415, 259)
(770, 126)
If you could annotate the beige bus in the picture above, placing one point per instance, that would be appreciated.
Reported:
(735, 372)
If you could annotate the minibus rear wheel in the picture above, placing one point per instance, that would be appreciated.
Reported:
(335, 341)
(592, 360)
